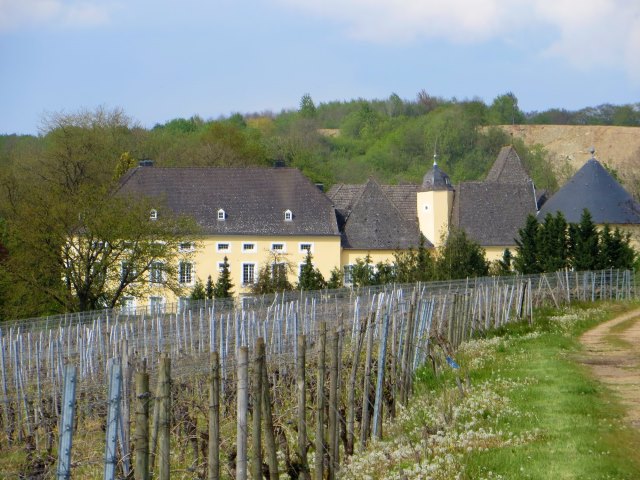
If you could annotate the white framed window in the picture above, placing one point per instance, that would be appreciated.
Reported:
(185, 272)
(288, 216)
(156, 272)
(300, 267)
(128, 305)
(305, 247)
(279, 247)
(223, 247)
(220, 267)
(127, 271)
(153, 215)
(249, 247)
(348, 275)
(278, 269)
(222, 215)
(248, 273)
(156, 305)
(186, 247)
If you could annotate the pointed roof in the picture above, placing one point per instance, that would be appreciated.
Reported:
(508, 168)
(593, 188)
(403, 197)
(373, 222)
(436, 179)
(492, 212)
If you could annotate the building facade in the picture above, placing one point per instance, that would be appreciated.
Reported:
(266, 216)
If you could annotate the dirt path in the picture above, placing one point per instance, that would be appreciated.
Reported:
(612, 349)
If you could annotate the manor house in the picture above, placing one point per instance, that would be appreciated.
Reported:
(256, 216)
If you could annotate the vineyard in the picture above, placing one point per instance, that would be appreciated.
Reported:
(292, 384)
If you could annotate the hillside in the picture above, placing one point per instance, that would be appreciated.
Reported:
(618, 147)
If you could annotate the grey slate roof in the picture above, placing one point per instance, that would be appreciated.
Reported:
(254, 199)
(492, 212)
(436, 179)
(507, 168)
(403, 197)
(593, 188)
(373, 222)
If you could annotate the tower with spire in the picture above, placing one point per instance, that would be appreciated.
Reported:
(434, 203)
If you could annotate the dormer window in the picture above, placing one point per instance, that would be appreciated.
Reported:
(153, 215)
(288, 216)
(222, 215)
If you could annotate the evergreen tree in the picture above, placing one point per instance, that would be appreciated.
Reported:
(198, 292)
(615, 249)
(460, 257)
(405, 264)
(272, 277)
(335, 279)
(504, 265)
(310, 278)
(209, 288)
(307, 107)
(384, 274)
(425, 264)
(584, 240)
(223, 287)
(552, 245)
(362, 272)
(526, 260)
(264, 283)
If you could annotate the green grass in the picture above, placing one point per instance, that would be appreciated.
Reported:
(613, 338)
(580, 428)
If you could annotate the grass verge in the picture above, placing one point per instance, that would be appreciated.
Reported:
(530, 411)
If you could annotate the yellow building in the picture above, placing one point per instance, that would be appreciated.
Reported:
(265, 216)
(378, 220)
(251, 216)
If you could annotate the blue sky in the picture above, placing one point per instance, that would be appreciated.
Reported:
(162, 59)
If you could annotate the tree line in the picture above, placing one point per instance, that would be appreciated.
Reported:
(556, 244)
(62, 233)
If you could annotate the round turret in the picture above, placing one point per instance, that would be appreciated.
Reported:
(436, 179)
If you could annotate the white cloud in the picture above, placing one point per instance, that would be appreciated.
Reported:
(586, 33)
(16, 14)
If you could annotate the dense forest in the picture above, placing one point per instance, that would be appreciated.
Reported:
(392, 139)
(52, 184)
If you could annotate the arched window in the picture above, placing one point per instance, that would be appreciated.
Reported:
(221, 214)
(288, 216)
(153, 215)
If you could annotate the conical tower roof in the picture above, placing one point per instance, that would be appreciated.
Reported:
(436, 179)
(593, 188)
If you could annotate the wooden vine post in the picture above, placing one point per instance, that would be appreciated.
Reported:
(320, 443)
(142, 424)
(164, 419)
(270, 438)
(214, 418)
(333, 406)
(256, 464)
(302, 421)
(242, 413)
